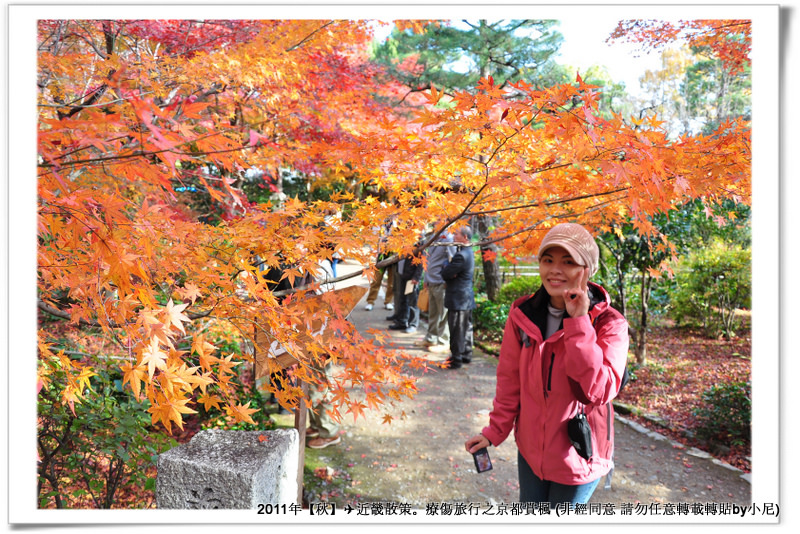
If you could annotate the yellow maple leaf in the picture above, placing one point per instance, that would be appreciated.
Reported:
(176, 377)
(153, 357)
(175, 316)
(70, 395)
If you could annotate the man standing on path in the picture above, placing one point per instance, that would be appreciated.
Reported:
(459, 299)
(406, 282)
(438, 335)
(375, 285)
(323, 430)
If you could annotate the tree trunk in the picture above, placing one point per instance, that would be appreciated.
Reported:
(622, 296)
(640, 339)
(491, 273)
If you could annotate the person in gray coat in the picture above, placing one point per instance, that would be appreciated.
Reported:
(438, 336)
(459, 299)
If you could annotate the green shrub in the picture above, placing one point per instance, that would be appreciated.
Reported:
(88, 457)
(710, 285)
(518, 287)
(489, 317)
(726, 413)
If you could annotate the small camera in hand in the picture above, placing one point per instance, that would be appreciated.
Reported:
(482, 460)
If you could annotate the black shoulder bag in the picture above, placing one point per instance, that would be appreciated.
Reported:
(580, 434)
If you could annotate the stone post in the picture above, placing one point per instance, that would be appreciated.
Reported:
(228, 469)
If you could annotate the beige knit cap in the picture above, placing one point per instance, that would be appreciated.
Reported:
(577, 241)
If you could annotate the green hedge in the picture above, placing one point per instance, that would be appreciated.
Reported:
(490, 317)
(518, 287)
(709, 286)
(726, 413)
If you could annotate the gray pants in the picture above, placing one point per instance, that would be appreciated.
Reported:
(438, 331)
(318, 417)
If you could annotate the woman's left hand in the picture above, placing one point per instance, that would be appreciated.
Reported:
(576, 299)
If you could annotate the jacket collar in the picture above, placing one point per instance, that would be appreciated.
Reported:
(534, 307)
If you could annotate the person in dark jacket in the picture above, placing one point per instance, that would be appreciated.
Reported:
(459, 299)
(406, 313)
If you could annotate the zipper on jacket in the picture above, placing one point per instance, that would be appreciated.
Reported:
(550, 374)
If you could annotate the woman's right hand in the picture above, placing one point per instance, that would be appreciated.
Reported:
(476, 443)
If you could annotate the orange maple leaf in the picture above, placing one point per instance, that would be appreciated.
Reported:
(203, 349)
(434, 96)
(241, 412)
(356, 408)
(201, 381)
(134, 375)
(189, 291)
(169, 411)
(225, 365)
(208, 401)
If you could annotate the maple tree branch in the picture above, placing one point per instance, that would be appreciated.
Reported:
(550, 202)
(87, 39)
(284, 292)
(533, 226)
(412, 90)
(486, 242)
(61, 314)
(141, 153)
(64, 315)
(421, 89)
(96, 94)
(309, 36)
(464, 214)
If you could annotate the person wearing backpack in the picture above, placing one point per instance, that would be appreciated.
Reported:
(562, 361)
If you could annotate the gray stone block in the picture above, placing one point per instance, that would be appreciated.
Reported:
(228, 469)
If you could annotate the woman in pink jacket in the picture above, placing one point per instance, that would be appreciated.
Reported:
(563, 354)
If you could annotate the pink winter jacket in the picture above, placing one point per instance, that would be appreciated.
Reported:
(541, 384)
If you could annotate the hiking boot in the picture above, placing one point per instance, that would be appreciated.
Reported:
(451, 363)
(397, 326)
(320, 442)
(391, 318)
(312, 433)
